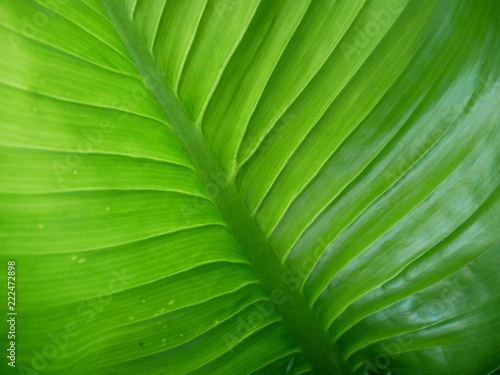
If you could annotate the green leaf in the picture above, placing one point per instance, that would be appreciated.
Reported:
(250, 187)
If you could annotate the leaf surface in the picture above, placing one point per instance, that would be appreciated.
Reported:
(251, 187)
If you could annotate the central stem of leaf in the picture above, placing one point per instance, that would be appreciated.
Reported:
(296, 314)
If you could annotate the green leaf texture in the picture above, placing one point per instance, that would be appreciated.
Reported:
(258, 187)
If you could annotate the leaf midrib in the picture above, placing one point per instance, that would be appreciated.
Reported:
(296, 314)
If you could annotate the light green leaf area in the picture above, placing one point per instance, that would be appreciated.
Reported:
(256, 187)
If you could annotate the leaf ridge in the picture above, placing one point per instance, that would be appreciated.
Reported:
(155, 33)
(460, 229)
(190, 46)
(199, 119)
(82, 28)
(318, 294)
(240, 165)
